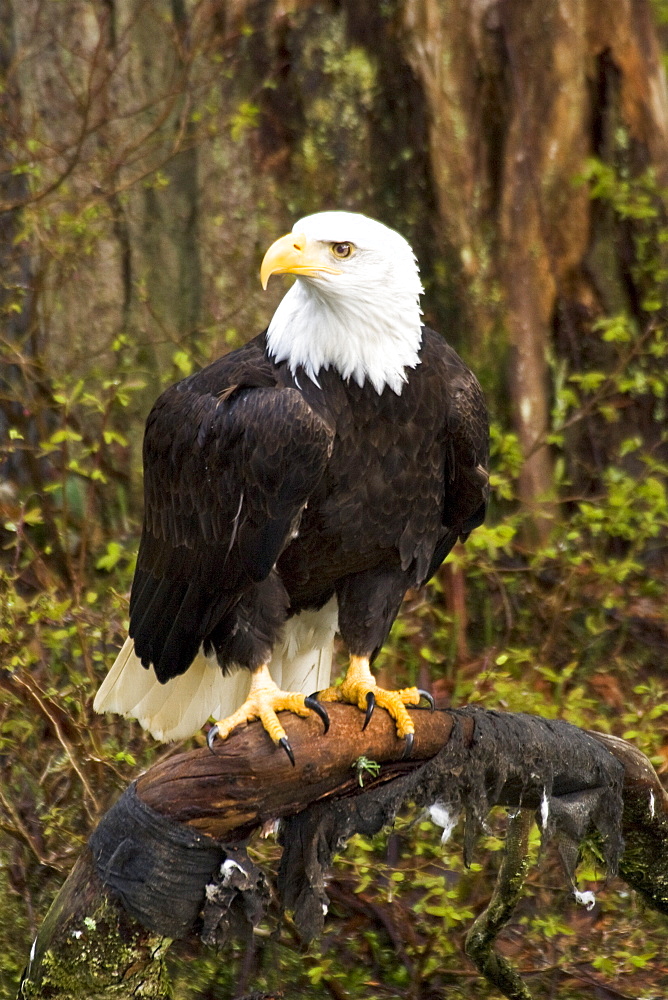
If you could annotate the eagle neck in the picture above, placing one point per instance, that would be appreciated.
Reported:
(362, 337)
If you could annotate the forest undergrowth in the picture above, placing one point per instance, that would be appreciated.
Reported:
(573, 626)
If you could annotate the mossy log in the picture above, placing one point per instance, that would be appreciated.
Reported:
(91, 945)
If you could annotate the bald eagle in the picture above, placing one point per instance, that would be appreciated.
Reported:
(297, 487)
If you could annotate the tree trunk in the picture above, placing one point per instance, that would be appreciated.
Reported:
(519, 97)
(463, 125)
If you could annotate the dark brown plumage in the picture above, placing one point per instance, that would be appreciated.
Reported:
(302, 482)
(243, 454)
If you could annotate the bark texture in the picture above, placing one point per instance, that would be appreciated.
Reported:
(555, 83)
(467, 760)
(172, 142)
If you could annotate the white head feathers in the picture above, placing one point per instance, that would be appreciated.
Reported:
(360, 314)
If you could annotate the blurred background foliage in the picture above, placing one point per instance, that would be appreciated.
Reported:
(151, 151)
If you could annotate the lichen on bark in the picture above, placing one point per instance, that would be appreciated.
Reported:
(88, 949)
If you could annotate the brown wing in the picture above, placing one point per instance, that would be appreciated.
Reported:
(467, 455)
(457, 406)
(407, 476)
(227, 471)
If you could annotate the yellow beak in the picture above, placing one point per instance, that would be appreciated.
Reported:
(291, 255)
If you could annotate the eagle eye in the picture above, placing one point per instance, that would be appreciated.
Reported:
(342, 250)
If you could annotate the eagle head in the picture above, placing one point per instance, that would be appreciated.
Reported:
(355, 305)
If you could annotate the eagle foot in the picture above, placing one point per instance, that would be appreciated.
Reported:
(284, 742)
(265, 699)
(370, 706)
(315, 706)
(359, 688)
(428, 698)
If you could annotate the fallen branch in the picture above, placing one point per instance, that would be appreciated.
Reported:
(169, 859)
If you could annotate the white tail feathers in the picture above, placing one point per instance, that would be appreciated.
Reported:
(173, 711)
(302, 660)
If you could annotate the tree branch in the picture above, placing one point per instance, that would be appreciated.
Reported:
(205, 806)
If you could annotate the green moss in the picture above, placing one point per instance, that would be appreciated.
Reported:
(92, 959)
(332, 158)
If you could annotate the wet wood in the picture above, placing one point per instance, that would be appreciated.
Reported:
(644, 864)
(247, 781)
(88, 947)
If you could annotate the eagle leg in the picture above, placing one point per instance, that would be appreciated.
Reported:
(359, 688)
(264, 700)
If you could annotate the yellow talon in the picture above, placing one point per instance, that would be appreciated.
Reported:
(264, 700)
(359, 688)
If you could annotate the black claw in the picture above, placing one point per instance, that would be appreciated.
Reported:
(283, 742)
(370, 705)
(210, 737)
(428, 698)
(319, 709)
(410, 740)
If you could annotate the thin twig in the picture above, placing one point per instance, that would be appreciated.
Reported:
(40, 701)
